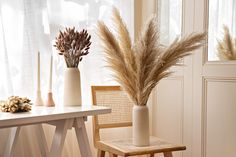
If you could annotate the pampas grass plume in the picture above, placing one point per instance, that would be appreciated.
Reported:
(227, 46)
(140, 66)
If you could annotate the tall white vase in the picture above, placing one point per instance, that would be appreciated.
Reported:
(140, 126)
(72, 87)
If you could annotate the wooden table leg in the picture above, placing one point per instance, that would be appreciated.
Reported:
(101, 153)
(168, 154)
(41, 140)
(82, 137)
(12, 141)
(59, 137)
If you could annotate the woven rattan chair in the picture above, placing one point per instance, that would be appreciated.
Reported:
(121, 116)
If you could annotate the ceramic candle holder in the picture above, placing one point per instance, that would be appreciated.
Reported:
(49, 101)
(38, 100)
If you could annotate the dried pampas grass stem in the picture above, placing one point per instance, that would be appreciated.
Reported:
(227, 47)
(139, 67)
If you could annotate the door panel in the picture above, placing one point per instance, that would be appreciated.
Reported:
(167, 119)
(219, 118)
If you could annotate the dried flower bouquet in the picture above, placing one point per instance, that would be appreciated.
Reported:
(227, 47)
(73, 45)
(139, 67)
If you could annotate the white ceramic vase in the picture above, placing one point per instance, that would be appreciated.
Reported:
(72, 87)
(140, 126)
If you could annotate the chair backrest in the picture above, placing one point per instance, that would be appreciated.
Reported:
(115, 98)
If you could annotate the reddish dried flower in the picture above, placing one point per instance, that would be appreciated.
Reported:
(73, 45)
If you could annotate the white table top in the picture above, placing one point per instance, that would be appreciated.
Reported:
(40, 114)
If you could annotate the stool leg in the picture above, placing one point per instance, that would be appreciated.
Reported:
(101, 153)
(152, 155)
(112, 155)
(168, 154)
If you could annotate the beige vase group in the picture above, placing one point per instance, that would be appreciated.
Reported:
(72, 87)
(140, 126)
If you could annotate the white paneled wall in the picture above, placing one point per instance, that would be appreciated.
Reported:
(198, 107)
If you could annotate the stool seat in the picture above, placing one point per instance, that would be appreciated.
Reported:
(124, 147)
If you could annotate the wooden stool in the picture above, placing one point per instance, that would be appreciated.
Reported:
(125, 148)
(117, 100)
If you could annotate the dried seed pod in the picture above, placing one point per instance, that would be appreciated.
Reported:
(15, 104)
(14, 108)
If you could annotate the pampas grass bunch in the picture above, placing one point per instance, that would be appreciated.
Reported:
(227, 47)
(139, 67)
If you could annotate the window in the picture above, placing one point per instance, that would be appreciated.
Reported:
(28, 26)
(221, 13)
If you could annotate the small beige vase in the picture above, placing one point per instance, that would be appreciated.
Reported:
(72, 87)
(140, 126)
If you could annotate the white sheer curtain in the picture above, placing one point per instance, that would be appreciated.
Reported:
(27, 26)
(170, 17)
(221, 13)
